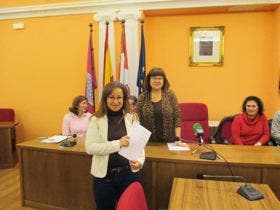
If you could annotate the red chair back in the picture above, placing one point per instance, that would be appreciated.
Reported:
(7, 115)
(133, 198)
(192, 113)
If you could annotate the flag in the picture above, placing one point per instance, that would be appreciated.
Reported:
(91, 79)
(123, 71)
(107, 72)
(142, 64)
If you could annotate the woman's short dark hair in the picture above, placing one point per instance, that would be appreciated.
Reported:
(258, 102)
(108, 89)
(75, 104)
(153, 73)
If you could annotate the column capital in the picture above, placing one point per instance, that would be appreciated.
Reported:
(134, 14)
(105, 16)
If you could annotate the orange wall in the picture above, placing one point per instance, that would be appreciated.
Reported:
(248, 62)
(43, 66)
(276, 95)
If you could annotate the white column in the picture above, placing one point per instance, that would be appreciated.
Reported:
(102, 18)
(131, 18)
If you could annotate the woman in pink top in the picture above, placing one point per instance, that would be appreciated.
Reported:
(77, 120)
(250, 127)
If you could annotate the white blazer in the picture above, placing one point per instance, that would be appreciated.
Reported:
(97, 144)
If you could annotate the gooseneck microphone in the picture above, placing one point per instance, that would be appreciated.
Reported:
(203, 176)
(247, 190)
(198, 132)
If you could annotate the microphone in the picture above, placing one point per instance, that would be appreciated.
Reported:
(203, 176)
(70, 141)
(247, 190)
(198, 131)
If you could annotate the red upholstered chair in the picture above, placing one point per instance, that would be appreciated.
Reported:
(7, 115)
(133, 198)
(192, 113)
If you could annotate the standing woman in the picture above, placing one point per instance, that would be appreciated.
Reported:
(158, 109)
(107, 133)
(77, 120)
(250, 127)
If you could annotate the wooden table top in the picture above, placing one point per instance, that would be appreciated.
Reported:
(8, 124)
(193, 194)
(234, 154)
(79, 148)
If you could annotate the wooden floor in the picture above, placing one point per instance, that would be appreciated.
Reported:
(9, 190)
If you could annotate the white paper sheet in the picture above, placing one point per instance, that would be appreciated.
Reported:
(173, 147)
(54, 139)
(139, 137)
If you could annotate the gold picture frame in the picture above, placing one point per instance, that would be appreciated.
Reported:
(206, 46)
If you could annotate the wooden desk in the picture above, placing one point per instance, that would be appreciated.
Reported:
(59, 178)
(54, 177)
(256, 164)
(8, 154)
(191, 194)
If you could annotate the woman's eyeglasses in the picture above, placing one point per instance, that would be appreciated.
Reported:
(113, 98)
(157, 78)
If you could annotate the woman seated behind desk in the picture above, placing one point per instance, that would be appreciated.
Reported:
(250, 127)
(107, 133)
(158, 109)
(77, 120)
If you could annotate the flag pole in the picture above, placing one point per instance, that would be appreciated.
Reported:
(119, 71)
(142, 62)
(107, 70)
(105, 46)
(90, 77)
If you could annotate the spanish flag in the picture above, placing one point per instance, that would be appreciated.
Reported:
(107, 71)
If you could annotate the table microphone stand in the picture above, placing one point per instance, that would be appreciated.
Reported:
(200, 143)
(205, 155)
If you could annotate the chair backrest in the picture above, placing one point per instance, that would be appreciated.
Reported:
(192, 113)
(223, 132)
(133, 198)
(7, 115)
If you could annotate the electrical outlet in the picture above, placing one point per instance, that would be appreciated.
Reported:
(17, 26)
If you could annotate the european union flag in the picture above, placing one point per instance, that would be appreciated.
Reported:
(142, 64)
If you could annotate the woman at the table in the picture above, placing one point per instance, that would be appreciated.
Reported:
(158, 109)
(77, 120)
(106, 135)
(250, 127)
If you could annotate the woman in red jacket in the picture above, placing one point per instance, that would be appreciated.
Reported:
(250, 127)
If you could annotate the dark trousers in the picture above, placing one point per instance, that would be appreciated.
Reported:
(108, 190)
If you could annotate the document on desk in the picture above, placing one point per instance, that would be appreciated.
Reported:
(54, 139)
(139, 137)
(174, 147)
